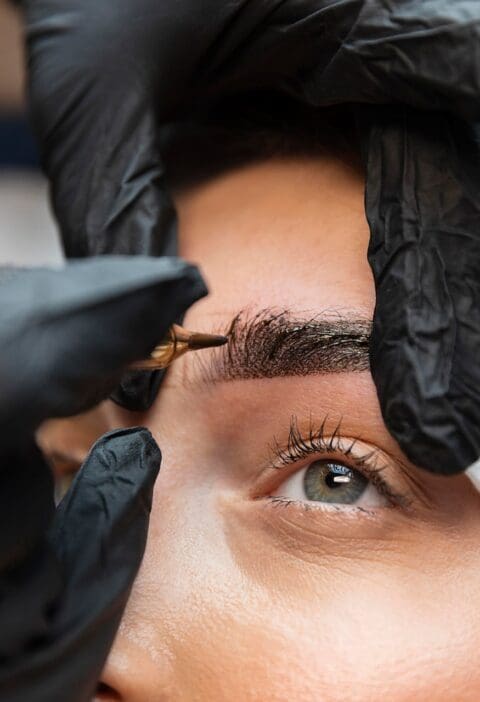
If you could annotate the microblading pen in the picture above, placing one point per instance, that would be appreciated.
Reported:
(177, 342)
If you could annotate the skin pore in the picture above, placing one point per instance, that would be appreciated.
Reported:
(249, 590)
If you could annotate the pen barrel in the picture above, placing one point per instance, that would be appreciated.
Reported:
(162, 356)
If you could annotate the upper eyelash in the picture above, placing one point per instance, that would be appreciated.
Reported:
(316, 441)
(298, 446)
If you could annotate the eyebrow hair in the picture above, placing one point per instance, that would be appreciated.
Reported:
(274, 344)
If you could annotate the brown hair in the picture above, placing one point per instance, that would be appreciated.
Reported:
(254, 127)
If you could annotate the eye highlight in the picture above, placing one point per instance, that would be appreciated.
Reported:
(342, 474)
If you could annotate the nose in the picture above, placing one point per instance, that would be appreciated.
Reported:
(137, 670)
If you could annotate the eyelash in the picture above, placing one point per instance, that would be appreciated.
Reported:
(301, 446)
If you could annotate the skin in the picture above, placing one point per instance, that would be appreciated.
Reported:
(11, 59)
(243, 598)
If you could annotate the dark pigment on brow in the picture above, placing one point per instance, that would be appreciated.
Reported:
(268, 345)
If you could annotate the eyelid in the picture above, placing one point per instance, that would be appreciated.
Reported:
(332, 445)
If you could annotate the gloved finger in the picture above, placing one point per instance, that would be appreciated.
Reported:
(66, 334)
(423, 207)
(98, 538)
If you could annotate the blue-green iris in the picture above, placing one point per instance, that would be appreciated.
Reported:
(326, 481)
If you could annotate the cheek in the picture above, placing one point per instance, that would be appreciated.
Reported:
(239, 618)
(225, 636)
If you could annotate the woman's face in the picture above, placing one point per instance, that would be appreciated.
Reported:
(294, 554)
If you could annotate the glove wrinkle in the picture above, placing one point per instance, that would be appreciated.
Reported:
(426, 330)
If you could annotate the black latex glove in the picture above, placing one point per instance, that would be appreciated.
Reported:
(423, 206)
(103, 77)
(65, 575)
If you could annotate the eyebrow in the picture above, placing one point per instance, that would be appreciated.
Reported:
(272, 344)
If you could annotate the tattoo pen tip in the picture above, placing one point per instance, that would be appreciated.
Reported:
(205, 341)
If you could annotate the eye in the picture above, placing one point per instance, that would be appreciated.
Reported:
(331, 482)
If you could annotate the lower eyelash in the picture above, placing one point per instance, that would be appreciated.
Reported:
(285, 502)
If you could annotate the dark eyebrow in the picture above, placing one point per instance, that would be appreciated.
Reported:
(271, 344)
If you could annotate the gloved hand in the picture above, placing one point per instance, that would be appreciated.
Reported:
(103, 77)
(65, 575)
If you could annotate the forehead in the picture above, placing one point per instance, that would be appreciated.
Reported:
(287, 233)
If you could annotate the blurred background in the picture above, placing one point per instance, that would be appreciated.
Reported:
(27, 233)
